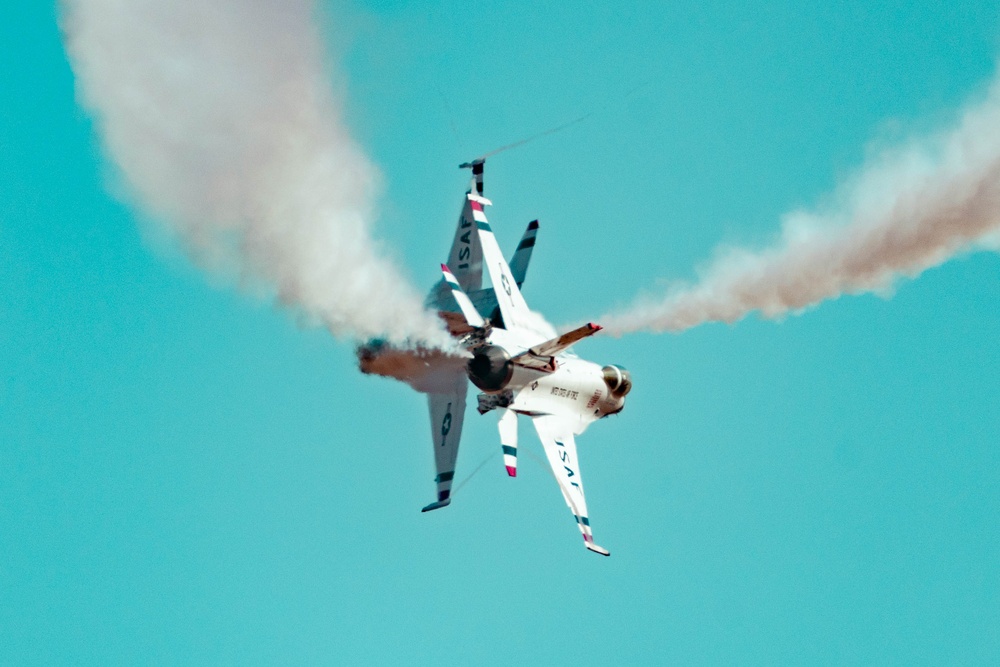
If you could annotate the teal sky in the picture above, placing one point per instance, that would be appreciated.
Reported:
(188, 477)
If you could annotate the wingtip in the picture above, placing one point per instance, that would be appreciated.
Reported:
(588, 541)
(597, 549)
(511, 471)
(437, 505)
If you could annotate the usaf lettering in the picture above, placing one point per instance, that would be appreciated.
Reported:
(564, 456)
(466, 251)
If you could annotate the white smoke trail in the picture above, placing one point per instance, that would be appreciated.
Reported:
(220, 120)
(910, 209)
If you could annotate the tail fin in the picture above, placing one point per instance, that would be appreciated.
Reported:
(519, 262)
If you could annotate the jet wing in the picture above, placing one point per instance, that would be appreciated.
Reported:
(512, 305)
(557, 439)
(542, 356)
(447, 415)
(466, 256)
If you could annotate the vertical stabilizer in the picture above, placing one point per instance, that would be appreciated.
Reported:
(519, 262)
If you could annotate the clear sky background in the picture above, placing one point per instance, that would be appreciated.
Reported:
(188, 477)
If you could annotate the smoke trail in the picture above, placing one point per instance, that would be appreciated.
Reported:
(220, 120)
(910, 209)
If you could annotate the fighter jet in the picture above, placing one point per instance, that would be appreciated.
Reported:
(512, 356)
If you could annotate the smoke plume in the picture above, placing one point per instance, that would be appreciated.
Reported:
(221, 124)
(909, 209)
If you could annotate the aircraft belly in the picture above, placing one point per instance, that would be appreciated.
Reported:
(560, 393)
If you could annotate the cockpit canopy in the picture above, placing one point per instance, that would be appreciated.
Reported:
(618, 380)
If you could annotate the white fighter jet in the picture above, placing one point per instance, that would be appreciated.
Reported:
(517, 362)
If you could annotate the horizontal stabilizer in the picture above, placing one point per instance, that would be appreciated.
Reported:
(542, 356)
(508, 439)
(472, 316)
(557, 345)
